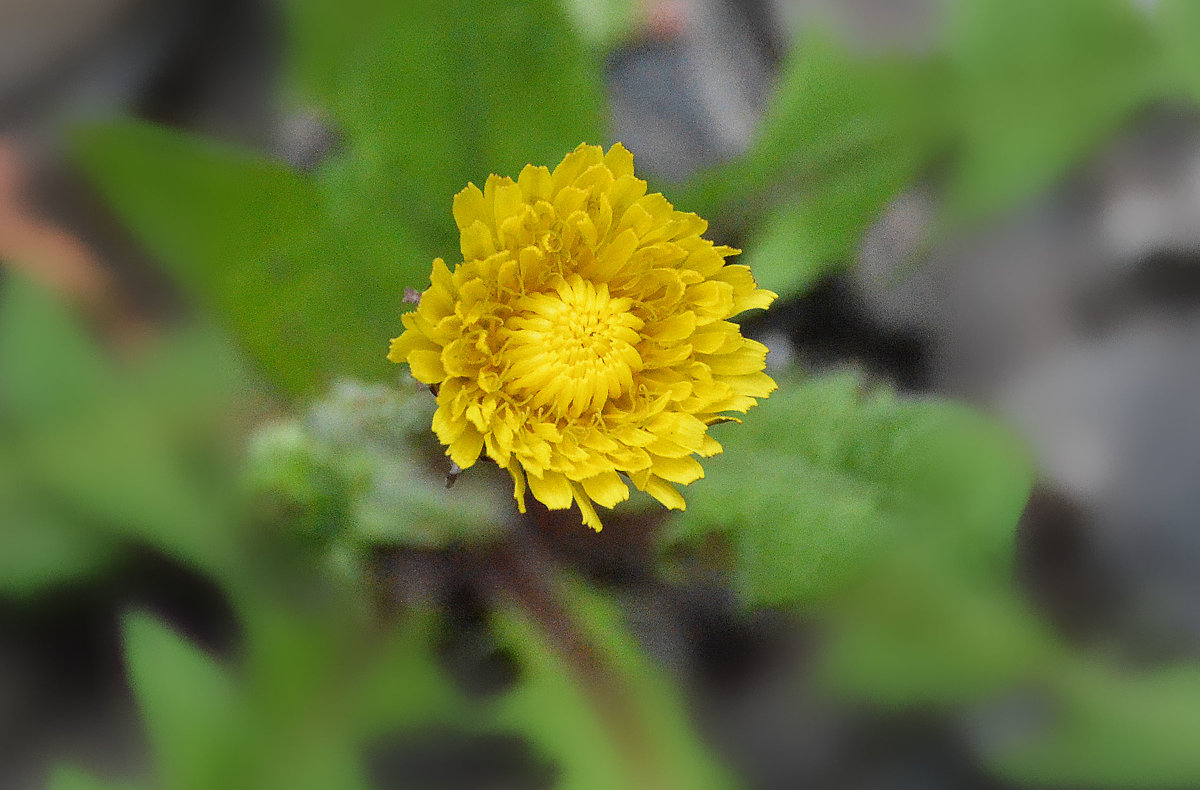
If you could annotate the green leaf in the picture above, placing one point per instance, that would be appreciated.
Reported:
(1178, 29)
(858, 474)
(318, 759)
(324, 681)
(893, 521)
(308, 299)
(48, 364)
(485, 87)
(195, 716)
(293, 720)
(357, 467)
(1039, 85)
(1111, 729)
(801, 242)
(614, 721)
(831, 110)
(404, 687)
(48, 368)
(923, 630)
(90, 451)
(40, 549)
(68, 778)
(129, 480)
(843, 136)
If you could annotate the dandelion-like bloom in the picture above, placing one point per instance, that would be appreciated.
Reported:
(585, 335)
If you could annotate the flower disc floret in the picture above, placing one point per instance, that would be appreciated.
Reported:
(584, 340)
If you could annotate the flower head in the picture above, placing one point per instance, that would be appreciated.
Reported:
(584, 336)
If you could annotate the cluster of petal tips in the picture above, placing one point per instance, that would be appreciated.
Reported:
(584, 340)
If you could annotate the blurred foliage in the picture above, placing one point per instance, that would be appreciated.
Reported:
(867, 474)
(1038, 85)
(97, 453)
(840, 140)
(635, 735)
(303, 294)
(291, 262)
(906, 514)
(1114, 729)
(888, 521)
(423, 114)
(351, 470)
(1012, 97)
(1178, 24)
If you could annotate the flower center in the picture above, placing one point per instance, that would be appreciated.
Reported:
(573, 348)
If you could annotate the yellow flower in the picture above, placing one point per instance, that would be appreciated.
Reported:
(585, 335)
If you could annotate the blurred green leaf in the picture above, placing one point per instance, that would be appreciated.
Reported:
(48, 368)
(843, 136)
(330, 660)
(861, 472)
(831, 110)
(317, 759)
(40, 549)
(431, 96)
(127, 477)
(356, 467)
(48, 364)
(317, 685)
(250, 238)
(893, 520)
(91, 452)
(194, 715)
(614, 721)
(68, 778)
(923, 630)
(325, 680)
(294, 651)
(1111, 729)
(404, 687)
(1178, 29)
(1038, 86)
(798, 243)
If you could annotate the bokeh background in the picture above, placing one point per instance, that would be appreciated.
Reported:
(959, 548)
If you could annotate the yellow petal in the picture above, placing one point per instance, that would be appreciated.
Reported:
(586, 510)
(412, 340)
(742, 362)
(606, 489)
(678, 470)
(518, 478)
(756, 385)
(469, 207)
(674, 329)
(551, 489)
(426, 366)
(509, 201)
(535, 183)
(619, 161)
(441, 278)
(465, 450)
(477, 241)
(665, 493)
(573, 165)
